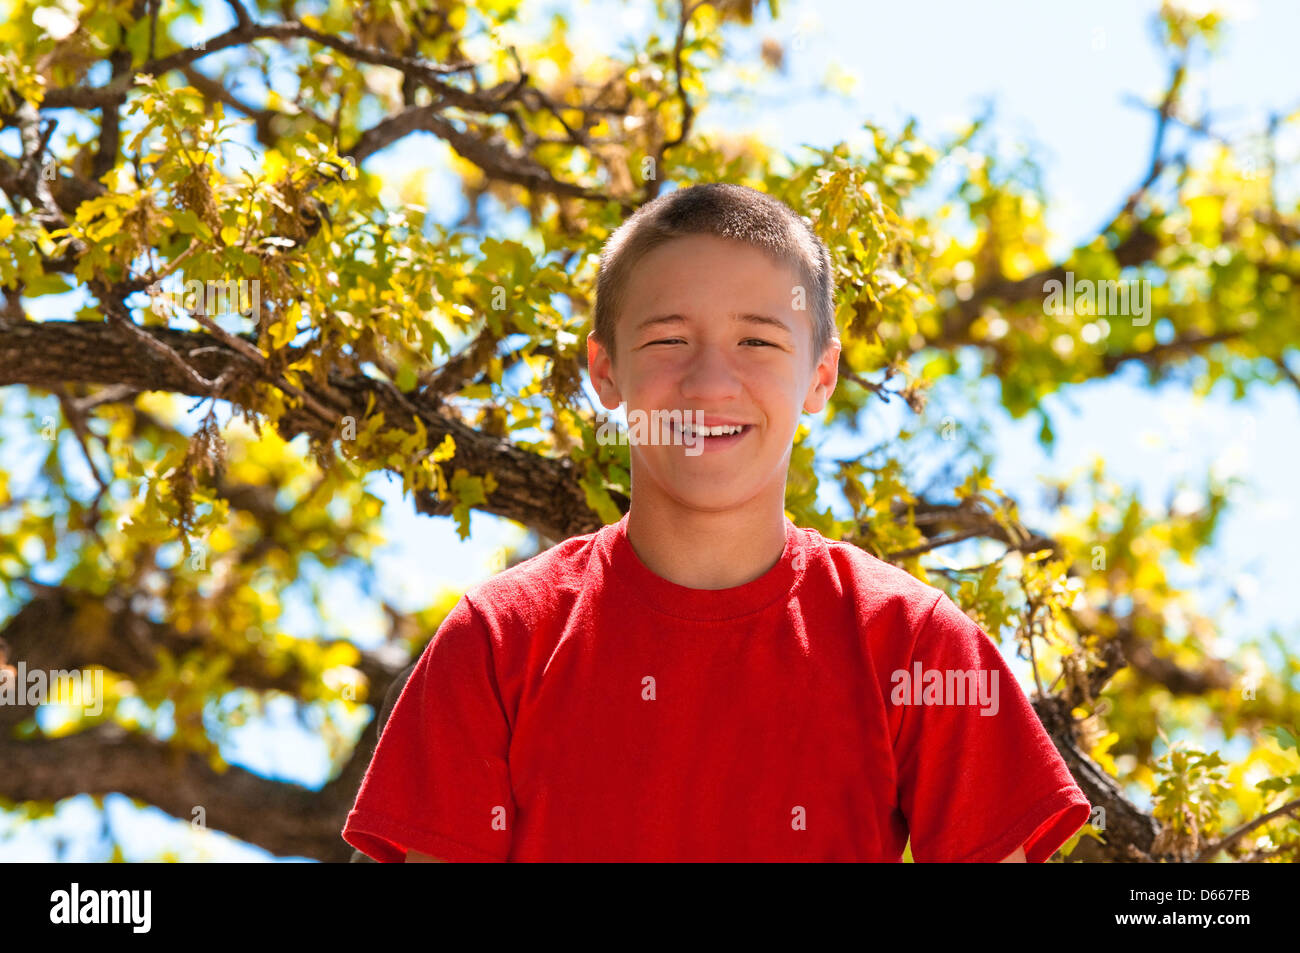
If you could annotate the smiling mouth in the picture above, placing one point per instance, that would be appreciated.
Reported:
(715, 438)
(721, 431)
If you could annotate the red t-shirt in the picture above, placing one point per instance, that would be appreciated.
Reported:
(578, 707)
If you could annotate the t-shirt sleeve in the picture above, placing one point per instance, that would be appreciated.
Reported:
(978, 775)
(439, 781)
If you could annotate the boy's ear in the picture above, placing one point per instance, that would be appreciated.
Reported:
(601, 370)
(824, 378)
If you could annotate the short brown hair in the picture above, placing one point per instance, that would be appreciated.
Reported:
(728, 211)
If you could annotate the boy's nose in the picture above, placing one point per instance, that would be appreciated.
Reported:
(710, 375)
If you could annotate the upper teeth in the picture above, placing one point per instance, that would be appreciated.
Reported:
(712, 431)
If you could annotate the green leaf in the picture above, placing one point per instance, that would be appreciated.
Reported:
(47, 284)
(1285, 738)
(406, 378)
(1046, 435)
(1277, 784)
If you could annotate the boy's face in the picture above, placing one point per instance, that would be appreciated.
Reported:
(706, 359)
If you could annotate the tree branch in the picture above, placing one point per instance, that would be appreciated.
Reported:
(1205, 856)
(1155, 356)
(94, 97)
(539, 492)
(284, 818)
(488, 153)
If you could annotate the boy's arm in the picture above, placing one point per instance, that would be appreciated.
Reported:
(438, 782)
(415, 857)
(1016, 858)
(1008, 788)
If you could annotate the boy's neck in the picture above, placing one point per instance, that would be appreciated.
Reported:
(703, 550)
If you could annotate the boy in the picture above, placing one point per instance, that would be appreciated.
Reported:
(703, 680)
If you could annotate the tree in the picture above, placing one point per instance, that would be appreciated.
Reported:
(169, 173)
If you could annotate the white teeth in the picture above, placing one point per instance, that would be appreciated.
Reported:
(718, 431)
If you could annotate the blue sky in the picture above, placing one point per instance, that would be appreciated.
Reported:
(1059, 77)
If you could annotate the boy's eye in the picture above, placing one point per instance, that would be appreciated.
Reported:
(746, 341)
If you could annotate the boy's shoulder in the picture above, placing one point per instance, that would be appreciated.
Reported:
(532, 587)
(874, 576)
(899, 614)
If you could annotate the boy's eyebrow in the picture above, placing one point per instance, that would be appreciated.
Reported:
(746, 317)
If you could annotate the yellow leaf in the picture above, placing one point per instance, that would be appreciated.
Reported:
(1099, 754)
(273, 163)
(341, 653)
(446, 450)
(282, 332)
(1206, 211)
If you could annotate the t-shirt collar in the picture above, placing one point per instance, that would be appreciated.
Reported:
(710, 605)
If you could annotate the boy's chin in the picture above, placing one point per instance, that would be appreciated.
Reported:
(691, 505)
(709, 496)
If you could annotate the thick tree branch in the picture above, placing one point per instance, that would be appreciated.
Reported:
(1129, 832)
(50, 633)
(539, 492)
(283, 818)
(286, 819)
(488, 153)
